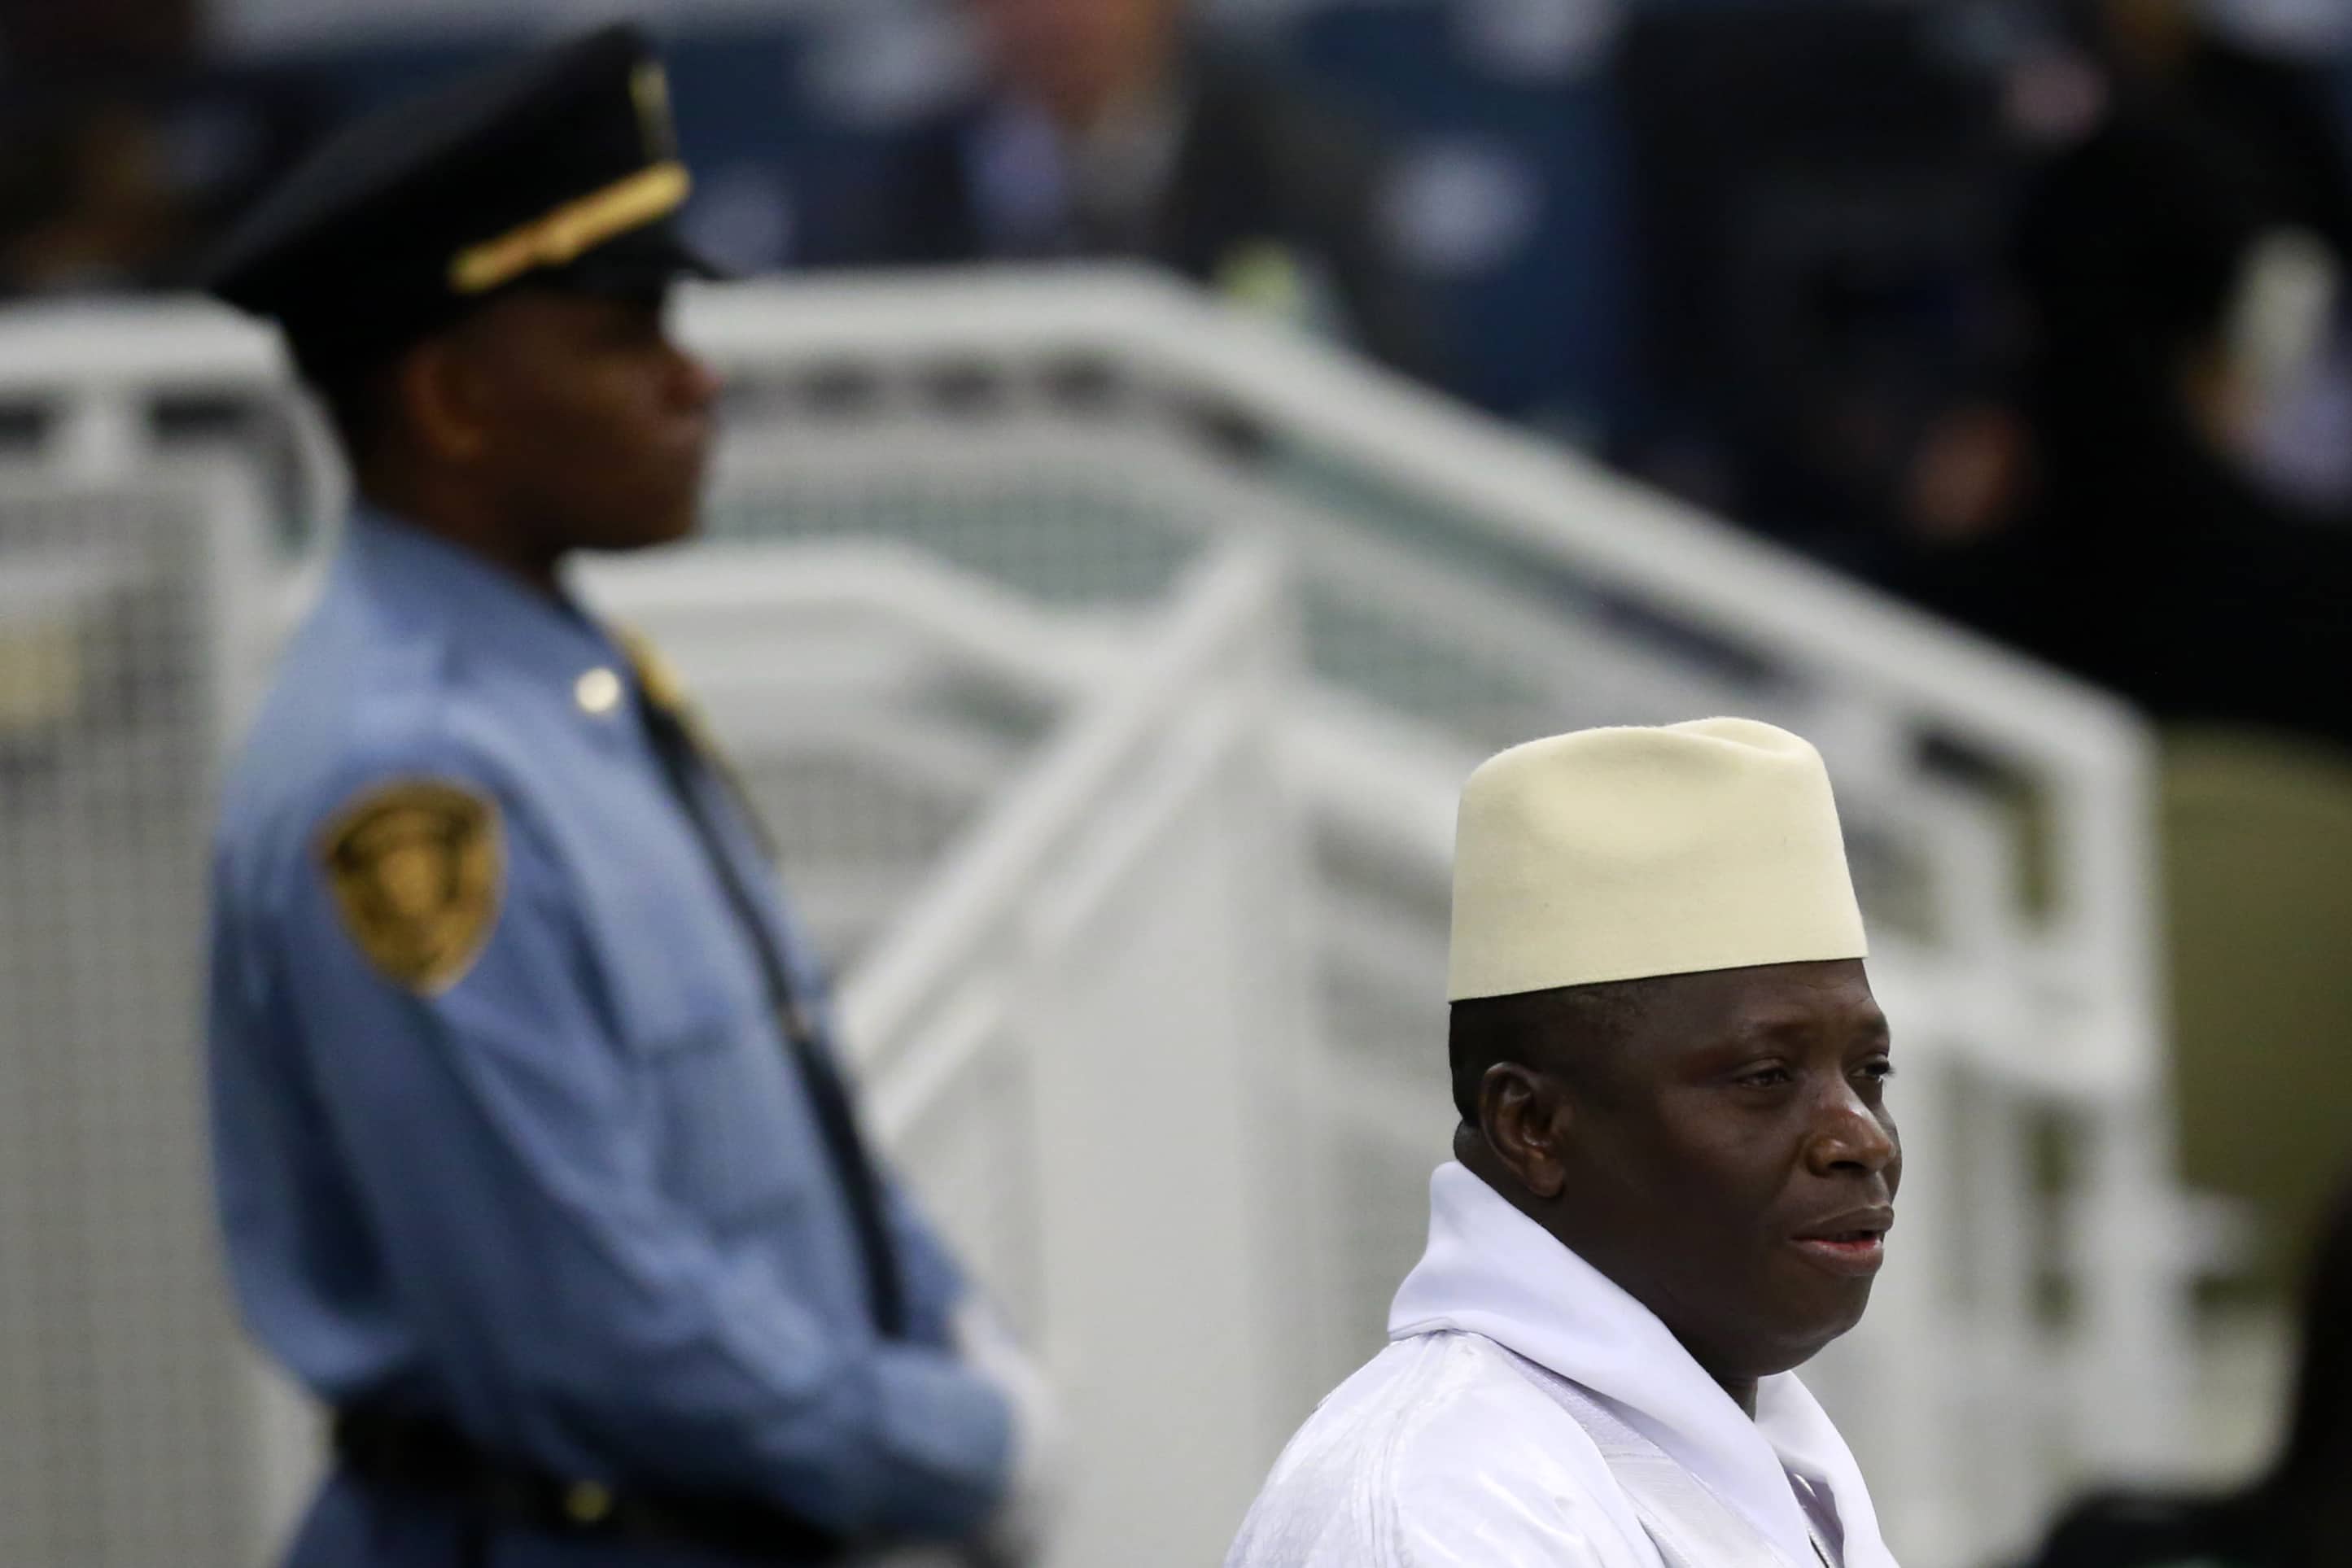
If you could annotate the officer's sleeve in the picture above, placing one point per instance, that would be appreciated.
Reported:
(466, 1061)
(935, 1281)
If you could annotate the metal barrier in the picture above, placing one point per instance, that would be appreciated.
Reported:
(1017, 476)
(1082, 1035)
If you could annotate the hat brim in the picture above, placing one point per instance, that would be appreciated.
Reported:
(642, 264)
(642, 261)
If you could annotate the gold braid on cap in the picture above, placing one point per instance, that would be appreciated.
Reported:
(573, 229)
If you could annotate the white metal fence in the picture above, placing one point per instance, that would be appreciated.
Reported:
(1083, 1031)
(117, 1360)
(970, 607)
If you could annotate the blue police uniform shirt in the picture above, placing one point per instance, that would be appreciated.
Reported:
(575, 1203)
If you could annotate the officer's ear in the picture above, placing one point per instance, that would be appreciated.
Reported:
(440, 391)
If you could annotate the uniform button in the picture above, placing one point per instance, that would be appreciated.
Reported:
(585, 1502)
(599, 692)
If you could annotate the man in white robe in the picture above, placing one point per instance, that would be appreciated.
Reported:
(1672, 1180)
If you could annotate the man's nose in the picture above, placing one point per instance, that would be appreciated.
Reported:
(1849, 1136)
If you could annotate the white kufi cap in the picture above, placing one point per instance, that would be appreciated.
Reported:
(1617, 854)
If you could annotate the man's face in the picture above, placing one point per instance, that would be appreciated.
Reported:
(595, 425)
(1075, 55)
(1732, 1164)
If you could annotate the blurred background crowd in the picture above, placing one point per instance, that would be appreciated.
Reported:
(2031, 312)
(2028, 309)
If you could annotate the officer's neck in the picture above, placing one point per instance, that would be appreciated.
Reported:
(538, 569)
(521, 553)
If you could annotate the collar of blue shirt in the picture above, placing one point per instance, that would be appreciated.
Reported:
(448, 589)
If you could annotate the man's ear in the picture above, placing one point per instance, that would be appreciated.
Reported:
(441, 395)
(1524, 1117)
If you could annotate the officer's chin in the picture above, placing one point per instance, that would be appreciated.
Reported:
(652, 528)
(683, 524)
(682, 518)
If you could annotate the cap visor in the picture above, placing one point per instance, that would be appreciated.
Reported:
(645, 259)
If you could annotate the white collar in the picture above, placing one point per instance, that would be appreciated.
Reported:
(1491, 1271)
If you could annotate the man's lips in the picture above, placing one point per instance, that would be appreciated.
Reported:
(1854, 1243)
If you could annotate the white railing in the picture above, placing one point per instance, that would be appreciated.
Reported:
(1078, 1035)
(1085, 441)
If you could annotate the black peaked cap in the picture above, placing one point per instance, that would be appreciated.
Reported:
(560, 168)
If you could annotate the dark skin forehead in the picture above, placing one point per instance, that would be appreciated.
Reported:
(1686, 1025)
(1682, 1152)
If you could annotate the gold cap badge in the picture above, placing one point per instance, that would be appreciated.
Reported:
(649, 90)
(417, 871)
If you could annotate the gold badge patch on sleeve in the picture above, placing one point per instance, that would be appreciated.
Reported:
(418, 869)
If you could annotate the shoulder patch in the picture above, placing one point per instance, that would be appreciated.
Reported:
(418, 869)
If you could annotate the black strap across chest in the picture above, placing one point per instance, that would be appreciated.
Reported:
(688, 771)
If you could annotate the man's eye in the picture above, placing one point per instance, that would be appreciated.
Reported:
(1765, 1078)
(1878, 1071)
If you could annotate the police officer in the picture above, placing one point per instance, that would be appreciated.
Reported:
(535, 1161)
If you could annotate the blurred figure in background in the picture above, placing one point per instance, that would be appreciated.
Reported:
(120, 147)
(1817, 196)
(1106, 131)
(2189, 385)
(535, 1158)
(2297, 1516)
